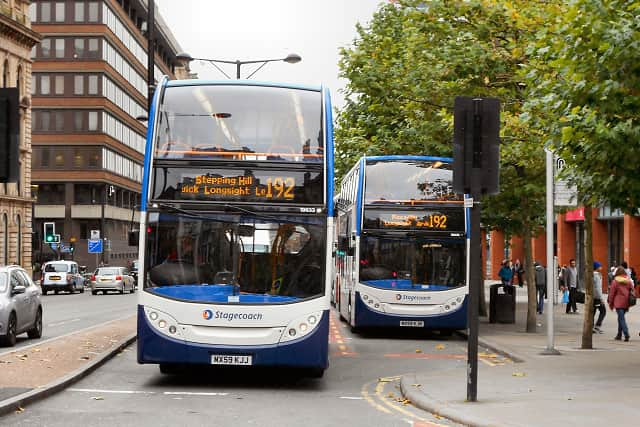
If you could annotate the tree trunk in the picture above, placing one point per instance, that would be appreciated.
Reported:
(587, 324)
(531, 281)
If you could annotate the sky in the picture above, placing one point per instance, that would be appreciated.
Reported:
(248, 30)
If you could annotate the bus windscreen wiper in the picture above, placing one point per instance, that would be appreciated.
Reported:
(250, 212)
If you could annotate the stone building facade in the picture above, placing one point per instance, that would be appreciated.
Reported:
(16, 203)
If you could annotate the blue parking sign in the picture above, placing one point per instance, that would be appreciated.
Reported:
(95, 246)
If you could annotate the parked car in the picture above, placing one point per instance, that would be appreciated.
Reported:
(107, 279)
(61, 276)
(20, 305)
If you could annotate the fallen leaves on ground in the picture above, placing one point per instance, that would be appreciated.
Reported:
(519, 374)
(441, 347)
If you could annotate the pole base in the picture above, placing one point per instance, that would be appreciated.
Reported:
(550, 352)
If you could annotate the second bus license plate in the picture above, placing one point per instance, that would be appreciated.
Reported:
(230, 359)
(412, 323)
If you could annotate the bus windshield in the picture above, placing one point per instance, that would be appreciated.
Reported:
(234, 122)
(226, 258)
(411, 262)
(404, 181)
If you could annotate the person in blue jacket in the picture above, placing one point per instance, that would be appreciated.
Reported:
(506, 273)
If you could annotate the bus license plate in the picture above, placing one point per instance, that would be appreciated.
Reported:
(412, 323)
(230, 359)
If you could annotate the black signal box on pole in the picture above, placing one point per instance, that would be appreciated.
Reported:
(476, 144)
(9, 134)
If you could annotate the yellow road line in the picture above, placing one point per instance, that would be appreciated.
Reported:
(369, 399)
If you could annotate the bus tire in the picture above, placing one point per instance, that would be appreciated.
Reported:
(446, 332)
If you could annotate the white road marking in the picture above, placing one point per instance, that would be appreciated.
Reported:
(352, 397)
(165, 393)
(53, 325)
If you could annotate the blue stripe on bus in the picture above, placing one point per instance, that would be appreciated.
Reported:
(193, 82)
(364, 317)
(216, 293)
(309, 351)
(359, 197)
(148, 152)
(329, 153)
(404, 285)
(417, 158)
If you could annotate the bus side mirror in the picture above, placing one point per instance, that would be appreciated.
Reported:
(134, 237)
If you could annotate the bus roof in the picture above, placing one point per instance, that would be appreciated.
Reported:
(199, 82)
(409, 157)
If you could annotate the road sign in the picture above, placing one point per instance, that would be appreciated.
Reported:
(95, 234)
(563, 193)
(54, 246)
(95, 246)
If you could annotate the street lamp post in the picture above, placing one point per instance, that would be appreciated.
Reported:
(292, 58)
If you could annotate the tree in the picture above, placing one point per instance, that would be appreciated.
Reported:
(404, 72)
(586, 79)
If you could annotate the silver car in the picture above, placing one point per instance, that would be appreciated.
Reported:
(112, 279)
(20, 306)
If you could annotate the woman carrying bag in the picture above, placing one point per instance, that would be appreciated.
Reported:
(618, 300)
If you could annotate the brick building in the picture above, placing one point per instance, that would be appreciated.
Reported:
(89, 88)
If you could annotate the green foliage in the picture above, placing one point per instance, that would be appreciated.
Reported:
(585, 80)
(404, 72)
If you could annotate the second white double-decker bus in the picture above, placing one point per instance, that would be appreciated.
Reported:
(401, 245)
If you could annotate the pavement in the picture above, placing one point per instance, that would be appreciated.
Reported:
(578, 387)
(595, 387)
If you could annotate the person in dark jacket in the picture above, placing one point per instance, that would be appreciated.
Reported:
(598, 304)
(541, 284)
(506, 273)
(619, 300)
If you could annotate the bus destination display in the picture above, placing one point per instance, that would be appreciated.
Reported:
(441, 220)
(250, 185)
(279, 187)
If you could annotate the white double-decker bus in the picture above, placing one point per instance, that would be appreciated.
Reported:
(236, 225)
(401, 245)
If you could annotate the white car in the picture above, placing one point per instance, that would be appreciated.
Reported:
(61, 276)
(20, 306)
(112, 279)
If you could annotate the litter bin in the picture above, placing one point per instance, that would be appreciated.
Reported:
(502, 304)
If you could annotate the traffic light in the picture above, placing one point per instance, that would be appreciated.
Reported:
(49, 232)
(72, 247)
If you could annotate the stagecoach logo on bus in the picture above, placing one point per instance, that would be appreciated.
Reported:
(230, 316)
(413, 298)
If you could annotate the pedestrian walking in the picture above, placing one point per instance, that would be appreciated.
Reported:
(541, 284)
(628, 271)
(619, 300)
(571, 283)
(506, 273)
(598, 304)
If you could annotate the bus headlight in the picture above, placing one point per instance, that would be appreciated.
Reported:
(301, 326)
(372, 302)
(453, 303)
(163, 323)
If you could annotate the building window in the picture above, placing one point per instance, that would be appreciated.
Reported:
(19, 241)
(94, 159)
(93, 11)
(59, 44)
(93, 85)
(93, 48)
(44, 157)
(78, 158)
(79, 12)
(34, 85)
(5, 74)
(59, 118)
(78, 120)
(78, 48)
(59, 85)
(45, 48)
(45, 120)
(93, 120)
(59, 159)
(52, 194)
(59, 12)
(78, 85)
(33, 14)
(45, 12)
(44, 85)
(5, 239)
